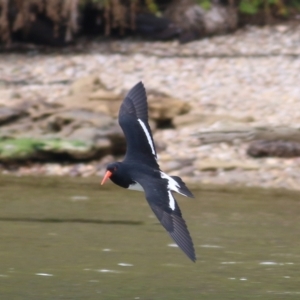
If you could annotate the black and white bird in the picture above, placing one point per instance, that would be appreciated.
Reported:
(140, 171)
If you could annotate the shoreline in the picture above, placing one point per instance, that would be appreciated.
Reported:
(245, 80)
(93, 181)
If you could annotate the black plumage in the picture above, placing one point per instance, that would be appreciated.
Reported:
(140, 171)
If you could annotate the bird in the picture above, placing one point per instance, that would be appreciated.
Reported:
(140, 170)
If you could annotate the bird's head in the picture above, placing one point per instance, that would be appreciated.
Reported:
(111, 170)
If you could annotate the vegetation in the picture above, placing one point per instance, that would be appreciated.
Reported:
(31, 148)
(64, 15)
(19, 14)
(279, 7)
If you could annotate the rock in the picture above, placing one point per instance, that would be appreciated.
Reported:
(187, 119)
(231, 131)
(44, 149)
(95, 129)
(214, 165)
(18, 129)
(106, 102)
(82, 102)
(90, 93)
(163, 107)
(263, 148)
(282, 28)
(9, 114)
(104, 95)
(48, 132)
(86, 85)
(172, 165)
(192, 118)
(93, 136)
(196, 21)
(75, 149)
(17, 149)
(78, 118)
(186, 171)
(219, 19)
(87, 134)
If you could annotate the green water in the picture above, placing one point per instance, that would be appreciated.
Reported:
(73, 239)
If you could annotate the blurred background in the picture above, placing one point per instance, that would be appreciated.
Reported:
(222, 80)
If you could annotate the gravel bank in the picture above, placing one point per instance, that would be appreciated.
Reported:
(252, 74)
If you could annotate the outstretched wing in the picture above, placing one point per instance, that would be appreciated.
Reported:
(133, 119)
(168, 213)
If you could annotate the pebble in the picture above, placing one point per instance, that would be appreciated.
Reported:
(252, 73)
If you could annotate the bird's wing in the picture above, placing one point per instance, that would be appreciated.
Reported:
(167, 211)
(133, 119)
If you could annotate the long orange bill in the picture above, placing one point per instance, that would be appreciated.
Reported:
(106, 176)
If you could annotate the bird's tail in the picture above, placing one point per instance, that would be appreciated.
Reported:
(182, 187)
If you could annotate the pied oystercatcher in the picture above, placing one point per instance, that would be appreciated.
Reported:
(140, 171)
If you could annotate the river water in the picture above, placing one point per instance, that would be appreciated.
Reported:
(63, 238)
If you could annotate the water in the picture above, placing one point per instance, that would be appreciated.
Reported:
(72, 239)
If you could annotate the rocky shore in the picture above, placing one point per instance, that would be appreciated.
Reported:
(208, 100)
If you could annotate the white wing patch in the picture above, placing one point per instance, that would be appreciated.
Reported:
(171, 200)
(172, 184)
(136, 187)
(148, 136)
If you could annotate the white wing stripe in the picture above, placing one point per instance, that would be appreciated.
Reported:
(172, 184)
(176, 185)
(148, 136)
(171, 200)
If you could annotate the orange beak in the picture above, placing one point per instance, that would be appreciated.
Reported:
(106, 176)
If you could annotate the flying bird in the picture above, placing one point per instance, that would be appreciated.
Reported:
(140, 171)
